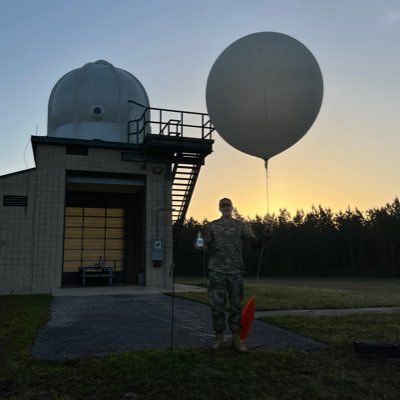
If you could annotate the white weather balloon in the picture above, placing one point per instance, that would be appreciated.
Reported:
(264, 93)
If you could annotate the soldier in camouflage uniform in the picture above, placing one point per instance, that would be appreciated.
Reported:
(223, 239)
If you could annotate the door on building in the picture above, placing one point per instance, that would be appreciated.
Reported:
(94, 234)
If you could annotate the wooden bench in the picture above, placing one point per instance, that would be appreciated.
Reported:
(98, 270)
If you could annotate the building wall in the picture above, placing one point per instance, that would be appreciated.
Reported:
(49, 218)
(159, 223)
(16, 233)
(31, 238)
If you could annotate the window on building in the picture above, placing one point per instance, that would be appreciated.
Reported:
(15, 201)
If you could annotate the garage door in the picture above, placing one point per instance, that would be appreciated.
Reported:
(93, 234)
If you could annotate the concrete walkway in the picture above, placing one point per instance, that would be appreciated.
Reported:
(121, 290)
(93, 325)
(330, 312)
(95, 321)
(180, 288)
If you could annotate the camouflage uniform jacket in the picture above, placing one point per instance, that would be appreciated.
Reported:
(223, 238)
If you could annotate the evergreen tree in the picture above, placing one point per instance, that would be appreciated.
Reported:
(319, 243)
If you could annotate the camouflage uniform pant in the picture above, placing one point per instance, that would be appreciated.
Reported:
(226, 290)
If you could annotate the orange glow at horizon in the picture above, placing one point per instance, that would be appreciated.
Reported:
(306, 175)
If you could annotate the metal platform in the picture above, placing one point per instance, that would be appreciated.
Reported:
(184, 139)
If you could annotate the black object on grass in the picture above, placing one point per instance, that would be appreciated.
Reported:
(375, 349)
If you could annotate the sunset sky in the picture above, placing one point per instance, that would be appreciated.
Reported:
(348, 158)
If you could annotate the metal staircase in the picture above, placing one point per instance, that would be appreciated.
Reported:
(182, 138)
(184, 181)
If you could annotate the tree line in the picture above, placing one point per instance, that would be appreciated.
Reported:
(315, 243)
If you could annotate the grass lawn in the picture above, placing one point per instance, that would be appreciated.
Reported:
(334, 373)
(300, 293)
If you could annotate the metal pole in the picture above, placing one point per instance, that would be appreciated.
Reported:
(172, 305)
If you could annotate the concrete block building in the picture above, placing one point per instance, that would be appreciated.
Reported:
(112, 184)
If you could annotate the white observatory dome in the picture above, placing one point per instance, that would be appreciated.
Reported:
(91, 102)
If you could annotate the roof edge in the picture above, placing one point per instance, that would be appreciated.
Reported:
(23, 171)
(36, 140)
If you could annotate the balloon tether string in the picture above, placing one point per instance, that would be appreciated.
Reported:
(267, 183)
(264, 239)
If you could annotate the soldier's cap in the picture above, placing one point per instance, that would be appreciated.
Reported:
(225, 201)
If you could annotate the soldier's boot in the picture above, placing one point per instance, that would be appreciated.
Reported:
(219, 340)
(237, 344)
